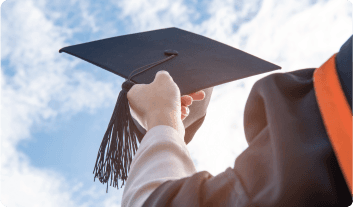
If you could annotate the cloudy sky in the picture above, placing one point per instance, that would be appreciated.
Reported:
(55, 108)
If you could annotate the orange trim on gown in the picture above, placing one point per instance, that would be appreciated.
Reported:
(336, 115)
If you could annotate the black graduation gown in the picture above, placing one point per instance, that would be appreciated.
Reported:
(289, 161)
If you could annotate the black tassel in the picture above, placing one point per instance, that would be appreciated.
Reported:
(121, 137)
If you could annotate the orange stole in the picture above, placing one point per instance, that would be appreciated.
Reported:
(336, 115)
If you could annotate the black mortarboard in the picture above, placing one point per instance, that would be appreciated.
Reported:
(195, 62)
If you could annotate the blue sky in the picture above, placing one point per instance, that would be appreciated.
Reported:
(55, 108)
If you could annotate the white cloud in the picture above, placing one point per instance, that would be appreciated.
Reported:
(293, 34)
(142, 15)
(42, 76)
(298, 34)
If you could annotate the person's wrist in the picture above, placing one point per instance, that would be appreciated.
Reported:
(166, 117)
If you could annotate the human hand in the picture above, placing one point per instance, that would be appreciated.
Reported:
(157, 103)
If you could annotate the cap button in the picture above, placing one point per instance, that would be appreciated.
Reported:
(171, 52)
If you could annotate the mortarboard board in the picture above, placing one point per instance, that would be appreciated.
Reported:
(195, 63)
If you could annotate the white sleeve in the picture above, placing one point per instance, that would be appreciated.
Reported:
(161, 156)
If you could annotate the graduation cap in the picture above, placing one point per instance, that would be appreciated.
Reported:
(195, 63)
